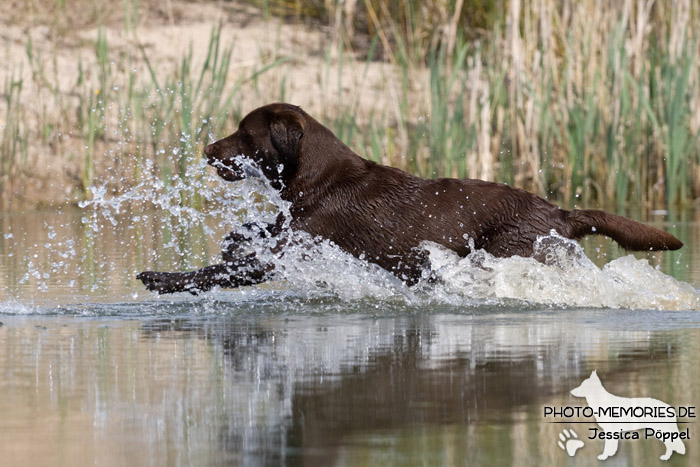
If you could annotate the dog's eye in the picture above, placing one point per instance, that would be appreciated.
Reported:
(250, 142)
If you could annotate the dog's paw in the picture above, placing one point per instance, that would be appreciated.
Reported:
(156, 281)
(167, 282)
(569, 442)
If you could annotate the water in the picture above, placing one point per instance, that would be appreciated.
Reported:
(334, 362)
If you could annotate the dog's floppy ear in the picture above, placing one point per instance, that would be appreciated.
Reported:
(286, 132)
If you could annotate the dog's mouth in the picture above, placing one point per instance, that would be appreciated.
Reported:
(225, 171)
(227, 174)
(239, 168)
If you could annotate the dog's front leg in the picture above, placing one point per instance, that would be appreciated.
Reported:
(240, 272)
(240, 265)
(238, 243)
(609, 449)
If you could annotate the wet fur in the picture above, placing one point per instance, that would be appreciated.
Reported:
(381, 213)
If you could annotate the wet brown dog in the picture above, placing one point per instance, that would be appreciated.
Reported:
(381, 213)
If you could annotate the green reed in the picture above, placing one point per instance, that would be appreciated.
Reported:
(669, 112)
(15, 139)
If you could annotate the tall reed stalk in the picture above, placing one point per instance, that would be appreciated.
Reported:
(15, 139)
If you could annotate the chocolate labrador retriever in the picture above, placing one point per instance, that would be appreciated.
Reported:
(380, 213)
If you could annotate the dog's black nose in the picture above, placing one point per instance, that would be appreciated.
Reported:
(209, 150)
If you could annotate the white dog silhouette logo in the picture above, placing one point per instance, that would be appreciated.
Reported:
(617, 415)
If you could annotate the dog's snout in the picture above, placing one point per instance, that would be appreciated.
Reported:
(209, 150)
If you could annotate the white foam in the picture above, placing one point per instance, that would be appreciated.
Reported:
(568, 278)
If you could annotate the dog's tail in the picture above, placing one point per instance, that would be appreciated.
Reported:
(631, 235)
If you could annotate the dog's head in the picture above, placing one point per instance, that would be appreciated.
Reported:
(589, 386)
(270, 136)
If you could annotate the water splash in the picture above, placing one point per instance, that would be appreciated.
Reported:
(308, 269)
(565, 277)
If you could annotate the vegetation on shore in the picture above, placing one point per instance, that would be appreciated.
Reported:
(584, 102)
